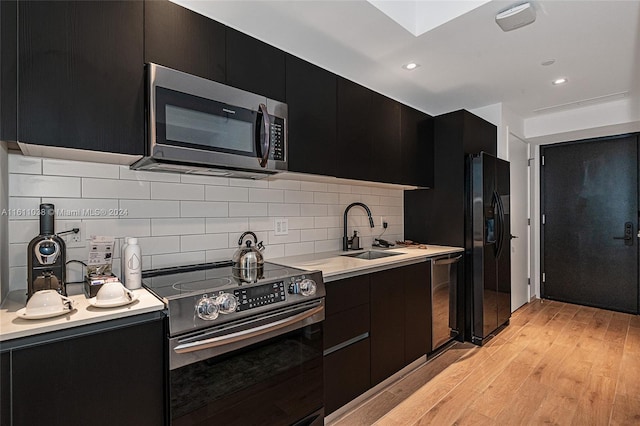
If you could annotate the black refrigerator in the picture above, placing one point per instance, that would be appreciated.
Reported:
(487, 247)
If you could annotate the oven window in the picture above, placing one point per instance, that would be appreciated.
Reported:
(275, 382)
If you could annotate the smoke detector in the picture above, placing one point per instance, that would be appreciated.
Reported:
(516, 17)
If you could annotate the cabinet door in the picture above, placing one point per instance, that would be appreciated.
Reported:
(181, 39)
(8, 70)
(81, 75)
(353, 122)
(255, 66)
(311, 97)
(347, 293)
(387, 324)
(416, 135)
(109, 378)
(386, 148)
(417, 312)
(5, 388)
(346, 375)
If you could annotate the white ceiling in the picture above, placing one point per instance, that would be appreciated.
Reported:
(468, 62)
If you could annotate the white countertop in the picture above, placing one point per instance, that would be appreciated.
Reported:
(12, 327)
(335, 267)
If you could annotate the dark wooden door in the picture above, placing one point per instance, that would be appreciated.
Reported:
(589, 194)
(81, 79)
(386, 147)
(417, 311)
(416, 139)
(8, 70)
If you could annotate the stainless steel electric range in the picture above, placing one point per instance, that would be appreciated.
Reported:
(243, 352)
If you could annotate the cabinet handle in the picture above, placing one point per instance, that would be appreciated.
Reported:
(264, 136)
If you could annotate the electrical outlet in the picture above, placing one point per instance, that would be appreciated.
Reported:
(281, 226)
(75, 240)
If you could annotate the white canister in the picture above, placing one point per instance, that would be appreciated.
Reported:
(133, 265)
(122, 262)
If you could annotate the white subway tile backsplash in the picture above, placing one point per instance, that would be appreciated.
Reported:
(18, 278)
(21, 208)
(204, 209)
(127, 174)
(185, 219)
(43, 186)
(22, 231)
(313, 187)
(298, 197)
(149, 208)
(19, 163)
(326, 198)
(293, 185)
(295, 249)
(227, 224)
(108, 188)
(177, 226)
(248, 209)
(259, 195)
(159, 245)
(175, 259)
(176, 191)
(313, 234)
(203, 242)
(56, 167)
(118, 228)
(18, 254)
(313, 210)
(276, 209)
(226, 193)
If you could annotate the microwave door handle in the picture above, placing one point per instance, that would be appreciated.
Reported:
(264, 135)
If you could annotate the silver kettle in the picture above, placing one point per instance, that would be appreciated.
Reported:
(247, 261)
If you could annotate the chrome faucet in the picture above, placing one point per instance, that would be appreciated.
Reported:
(345, 239)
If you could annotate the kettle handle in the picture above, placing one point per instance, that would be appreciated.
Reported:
(255, 239)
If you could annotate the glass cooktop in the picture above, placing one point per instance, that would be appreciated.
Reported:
(179, 281)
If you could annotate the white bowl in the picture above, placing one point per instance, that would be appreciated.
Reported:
(46, 302)
(113, 292)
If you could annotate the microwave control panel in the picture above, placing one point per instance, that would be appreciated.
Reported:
(277, 139)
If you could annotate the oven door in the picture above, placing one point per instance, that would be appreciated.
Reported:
(263, 370)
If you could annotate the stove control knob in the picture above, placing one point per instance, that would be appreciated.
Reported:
(308, 287)
(207, 308)
(227, 303)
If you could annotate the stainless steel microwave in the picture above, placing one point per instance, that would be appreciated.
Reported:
(200, 126)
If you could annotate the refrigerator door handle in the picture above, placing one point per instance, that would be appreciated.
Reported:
(500, 239)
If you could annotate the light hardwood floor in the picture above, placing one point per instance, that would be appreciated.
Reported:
(556, 363)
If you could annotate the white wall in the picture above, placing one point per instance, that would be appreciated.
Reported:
(182, 219)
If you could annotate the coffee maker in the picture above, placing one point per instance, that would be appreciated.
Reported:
(46, 256)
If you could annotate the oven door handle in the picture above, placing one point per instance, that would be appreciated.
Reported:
(245, 334)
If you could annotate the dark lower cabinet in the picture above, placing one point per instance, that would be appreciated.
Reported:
(179, 38)
(81, 79)
(111, 377)
(375, 325)
(5, 386)
(346, 375)
(400, 318)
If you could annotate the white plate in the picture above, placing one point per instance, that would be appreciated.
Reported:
(94, 302)
(22, 313)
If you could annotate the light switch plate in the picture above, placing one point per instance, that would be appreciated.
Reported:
(281, 226)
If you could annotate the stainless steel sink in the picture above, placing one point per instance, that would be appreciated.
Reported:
(370, 255)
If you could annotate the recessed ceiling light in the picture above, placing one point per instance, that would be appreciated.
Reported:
(548, 62)
(410, 66)
(558, 81)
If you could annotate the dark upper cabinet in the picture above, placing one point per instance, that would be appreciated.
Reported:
(255, 66)
(81, 75)
(416, 136)
(384, 134)
(311, 97)
(436, 215)
(184, 40)
(355, 104)
(8, 70)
